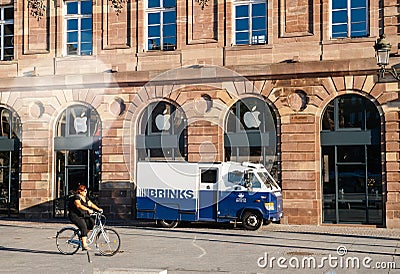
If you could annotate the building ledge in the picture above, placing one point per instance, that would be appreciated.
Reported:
(313, 69)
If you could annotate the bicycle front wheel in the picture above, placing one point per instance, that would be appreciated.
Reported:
(67, 240)
(108, 242)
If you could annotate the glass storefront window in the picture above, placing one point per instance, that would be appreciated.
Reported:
(350, 112)
(10, 161)
(351, 162)
(250, 132)
(79, 121)
(163, 133)
(351, 154)
(78, 155)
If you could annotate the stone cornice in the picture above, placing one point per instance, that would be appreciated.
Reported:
(281, 71)
(311, 69)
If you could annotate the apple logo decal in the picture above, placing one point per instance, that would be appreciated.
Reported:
(80, 124)
(162, 121)
(251, 118)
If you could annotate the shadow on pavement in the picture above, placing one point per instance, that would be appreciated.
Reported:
(13, 249)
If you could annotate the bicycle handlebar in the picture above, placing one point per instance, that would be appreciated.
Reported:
(95, 213)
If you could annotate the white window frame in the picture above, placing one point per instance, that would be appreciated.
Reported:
(2, 34)
(160, 10)
(250, 29)
(78, 16)
(349, 22)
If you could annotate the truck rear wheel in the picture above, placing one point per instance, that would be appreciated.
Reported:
(168, 223)
(252, 220)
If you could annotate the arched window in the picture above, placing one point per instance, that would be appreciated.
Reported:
(77, 121)
(250, 133)
(77, 146)
(351, 161)
(10, 161)
(162, 133)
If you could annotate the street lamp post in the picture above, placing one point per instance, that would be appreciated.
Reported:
(382, 49)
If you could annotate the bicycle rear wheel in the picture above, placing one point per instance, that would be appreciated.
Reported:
(67, 240)
(108, 242)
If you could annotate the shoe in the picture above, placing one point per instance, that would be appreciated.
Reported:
(86, 248)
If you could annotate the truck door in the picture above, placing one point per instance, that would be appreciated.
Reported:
(208, 193)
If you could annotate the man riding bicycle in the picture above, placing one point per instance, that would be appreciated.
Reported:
(80, 208)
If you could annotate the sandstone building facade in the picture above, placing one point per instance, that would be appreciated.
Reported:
(83, 82)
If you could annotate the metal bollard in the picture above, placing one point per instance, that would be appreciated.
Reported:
(88, 256)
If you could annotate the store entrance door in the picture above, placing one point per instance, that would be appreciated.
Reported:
(9, 183)
(351, 162)
(352, 192)
(72, 173)
(77, 147)
(10, 162)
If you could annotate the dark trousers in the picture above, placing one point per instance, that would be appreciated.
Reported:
(83, 223)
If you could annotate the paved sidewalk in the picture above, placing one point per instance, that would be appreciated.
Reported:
(29, 247)
(339, 229)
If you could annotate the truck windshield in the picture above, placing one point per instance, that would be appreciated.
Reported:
(235, 177)
(254, 182)
(267, 180)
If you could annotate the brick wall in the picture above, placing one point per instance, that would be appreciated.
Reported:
(392, 136)
(299, 173)
(204, 36)
(299, 56)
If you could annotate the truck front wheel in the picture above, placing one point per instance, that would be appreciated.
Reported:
(252, 220)
(168, 223)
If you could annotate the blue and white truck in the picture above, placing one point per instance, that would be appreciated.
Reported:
(171, 192)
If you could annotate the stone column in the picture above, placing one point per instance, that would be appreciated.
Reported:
(392, 169)
(35, 201)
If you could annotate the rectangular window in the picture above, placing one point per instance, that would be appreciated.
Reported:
(161, 24)
(209, 176)
(250, 22)
(349, 18)
(79, 29)
(6, 33)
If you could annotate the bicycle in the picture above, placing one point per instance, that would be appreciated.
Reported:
(107, 240)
